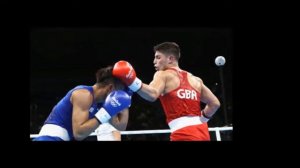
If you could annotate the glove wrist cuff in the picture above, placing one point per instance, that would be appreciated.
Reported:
(102, 115)
(203, 117)
(136, 85)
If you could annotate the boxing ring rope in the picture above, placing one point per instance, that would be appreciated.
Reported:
(216, 129)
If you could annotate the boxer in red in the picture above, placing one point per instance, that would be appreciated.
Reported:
(179, 91)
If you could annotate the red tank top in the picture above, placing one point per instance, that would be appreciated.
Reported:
(183, 101)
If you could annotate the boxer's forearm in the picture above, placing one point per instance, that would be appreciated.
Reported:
(83, 130)
(120, 121)
(148, 93)
(152, 91)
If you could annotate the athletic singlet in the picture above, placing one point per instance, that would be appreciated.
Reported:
(183, 101)
(62, 112)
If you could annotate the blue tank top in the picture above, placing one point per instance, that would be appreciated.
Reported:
(62, 112)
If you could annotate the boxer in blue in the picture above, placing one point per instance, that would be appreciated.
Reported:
(84, 108)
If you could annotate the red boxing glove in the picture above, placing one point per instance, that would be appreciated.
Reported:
(125, 72)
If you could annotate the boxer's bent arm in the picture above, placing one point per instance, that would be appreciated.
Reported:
(152, 91)
(120, 120)
(82, 126)
(211, 101)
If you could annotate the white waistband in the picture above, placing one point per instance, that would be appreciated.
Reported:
(54, 130)
(184, 122)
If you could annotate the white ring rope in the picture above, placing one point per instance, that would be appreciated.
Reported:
(216, 129)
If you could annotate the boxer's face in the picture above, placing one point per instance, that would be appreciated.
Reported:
(160, 61)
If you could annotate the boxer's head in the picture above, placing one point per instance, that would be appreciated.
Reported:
(166, 54)
(107, 81)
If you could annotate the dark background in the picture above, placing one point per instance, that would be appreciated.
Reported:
(61, 58)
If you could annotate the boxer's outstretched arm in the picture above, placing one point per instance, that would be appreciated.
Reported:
(124, 71)
(152, 91)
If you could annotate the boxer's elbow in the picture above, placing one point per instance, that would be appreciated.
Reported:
(78, 136)
(153, 96)
(215, 104)
(150, 98)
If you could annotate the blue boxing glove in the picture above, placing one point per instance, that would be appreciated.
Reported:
(114, 103)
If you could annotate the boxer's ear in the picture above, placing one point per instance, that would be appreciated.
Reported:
(171, 59)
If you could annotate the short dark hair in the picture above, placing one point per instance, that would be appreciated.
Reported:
(168, 48)
(104, 76)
